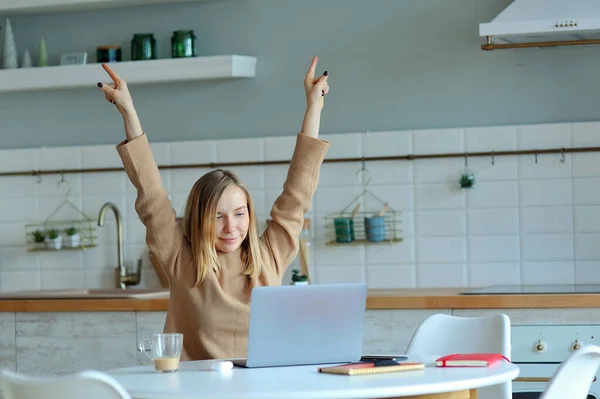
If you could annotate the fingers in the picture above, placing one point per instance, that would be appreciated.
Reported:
(113, 75)
(310, 75)
(107, 88)
(109, 92)
(322, 84)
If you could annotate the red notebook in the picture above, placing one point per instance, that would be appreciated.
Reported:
(470, 360)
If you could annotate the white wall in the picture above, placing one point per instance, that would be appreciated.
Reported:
(522, 222)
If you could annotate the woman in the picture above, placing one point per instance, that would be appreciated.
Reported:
(215, 256)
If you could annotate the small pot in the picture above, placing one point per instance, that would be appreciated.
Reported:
(375, 228)
(72, 241)
(344, 229)
(54, 243)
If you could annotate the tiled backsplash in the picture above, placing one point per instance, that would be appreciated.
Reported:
(523, 222)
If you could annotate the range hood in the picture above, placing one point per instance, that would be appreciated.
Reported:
(543, 23)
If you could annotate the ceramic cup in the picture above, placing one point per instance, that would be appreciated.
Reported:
(375, 228)
(164, 350)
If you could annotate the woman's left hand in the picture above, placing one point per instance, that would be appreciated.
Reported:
(316, 89)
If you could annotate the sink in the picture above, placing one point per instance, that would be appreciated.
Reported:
(96, 293)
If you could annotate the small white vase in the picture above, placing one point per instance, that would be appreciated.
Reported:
(300, 282)
(54, 243)
(72, 241)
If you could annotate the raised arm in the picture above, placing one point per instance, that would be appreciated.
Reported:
(164, 235)
(287, 215)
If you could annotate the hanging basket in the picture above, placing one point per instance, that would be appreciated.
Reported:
(368, 227)
(363, 228)
(75, 233)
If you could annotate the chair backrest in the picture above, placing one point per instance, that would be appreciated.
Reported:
(575, 375)
(86, 384)
(442, 334)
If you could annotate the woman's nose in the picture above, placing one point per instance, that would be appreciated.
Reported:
(229, 224)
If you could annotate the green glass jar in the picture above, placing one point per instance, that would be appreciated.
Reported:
(143, 47)
(183, 44)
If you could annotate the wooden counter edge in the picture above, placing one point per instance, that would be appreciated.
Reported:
(376, 301)
(484, 301)
(84, 305)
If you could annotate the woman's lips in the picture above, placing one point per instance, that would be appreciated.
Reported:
(229, 240)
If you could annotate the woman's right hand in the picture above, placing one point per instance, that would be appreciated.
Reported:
(116, 92)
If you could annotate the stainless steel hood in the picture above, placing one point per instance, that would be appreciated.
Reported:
(543, 23)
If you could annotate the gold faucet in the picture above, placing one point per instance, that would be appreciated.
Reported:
(122, 278)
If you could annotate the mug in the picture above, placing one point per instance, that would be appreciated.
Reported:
(344, 229)
(165, 351)
(375, 228)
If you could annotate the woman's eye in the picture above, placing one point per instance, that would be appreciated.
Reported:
(239, 214)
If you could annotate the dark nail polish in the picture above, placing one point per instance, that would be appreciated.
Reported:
(322, 92)
(100, 84)
(325, 73)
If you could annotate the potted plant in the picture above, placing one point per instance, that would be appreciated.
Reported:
(298, 279)
(72, 239)
(53, 239)
(38, 238)
(467, 180)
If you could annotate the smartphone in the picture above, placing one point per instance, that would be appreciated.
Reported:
(371, 358)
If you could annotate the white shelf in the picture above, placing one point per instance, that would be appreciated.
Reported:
(8, 7)
(133, 72)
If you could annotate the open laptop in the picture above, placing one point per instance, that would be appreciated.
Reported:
(306, 324)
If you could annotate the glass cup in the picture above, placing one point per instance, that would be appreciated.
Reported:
(164, 350)
(344, 229)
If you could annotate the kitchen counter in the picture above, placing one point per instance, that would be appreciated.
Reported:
(439, 298)
(450, 298)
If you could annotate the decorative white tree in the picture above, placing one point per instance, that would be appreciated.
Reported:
(9, 48)
(26, 63)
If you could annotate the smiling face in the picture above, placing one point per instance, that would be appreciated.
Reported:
(220, 218)
(232, 219)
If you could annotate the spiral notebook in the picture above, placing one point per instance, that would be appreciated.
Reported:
(377, 367)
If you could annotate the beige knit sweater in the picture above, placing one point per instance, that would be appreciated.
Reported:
(214, 316)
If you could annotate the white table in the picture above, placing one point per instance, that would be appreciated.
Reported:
(304, 382)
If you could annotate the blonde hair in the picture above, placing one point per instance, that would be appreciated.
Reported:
(199, 224)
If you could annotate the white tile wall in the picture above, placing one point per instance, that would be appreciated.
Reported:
(524, 221)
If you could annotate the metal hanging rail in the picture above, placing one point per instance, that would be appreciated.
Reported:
(489, 46)
(409, 157)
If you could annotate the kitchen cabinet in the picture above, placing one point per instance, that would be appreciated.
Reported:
(66, 342)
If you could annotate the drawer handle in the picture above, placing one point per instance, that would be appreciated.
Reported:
(532, 379)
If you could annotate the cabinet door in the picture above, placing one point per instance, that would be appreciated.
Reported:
(390, 330)
(7, 341)
(68, 342)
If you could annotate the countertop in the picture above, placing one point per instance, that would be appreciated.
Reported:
(439, 298)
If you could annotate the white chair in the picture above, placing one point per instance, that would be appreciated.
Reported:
(86, 384)
(442, 334)
(575, 375)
